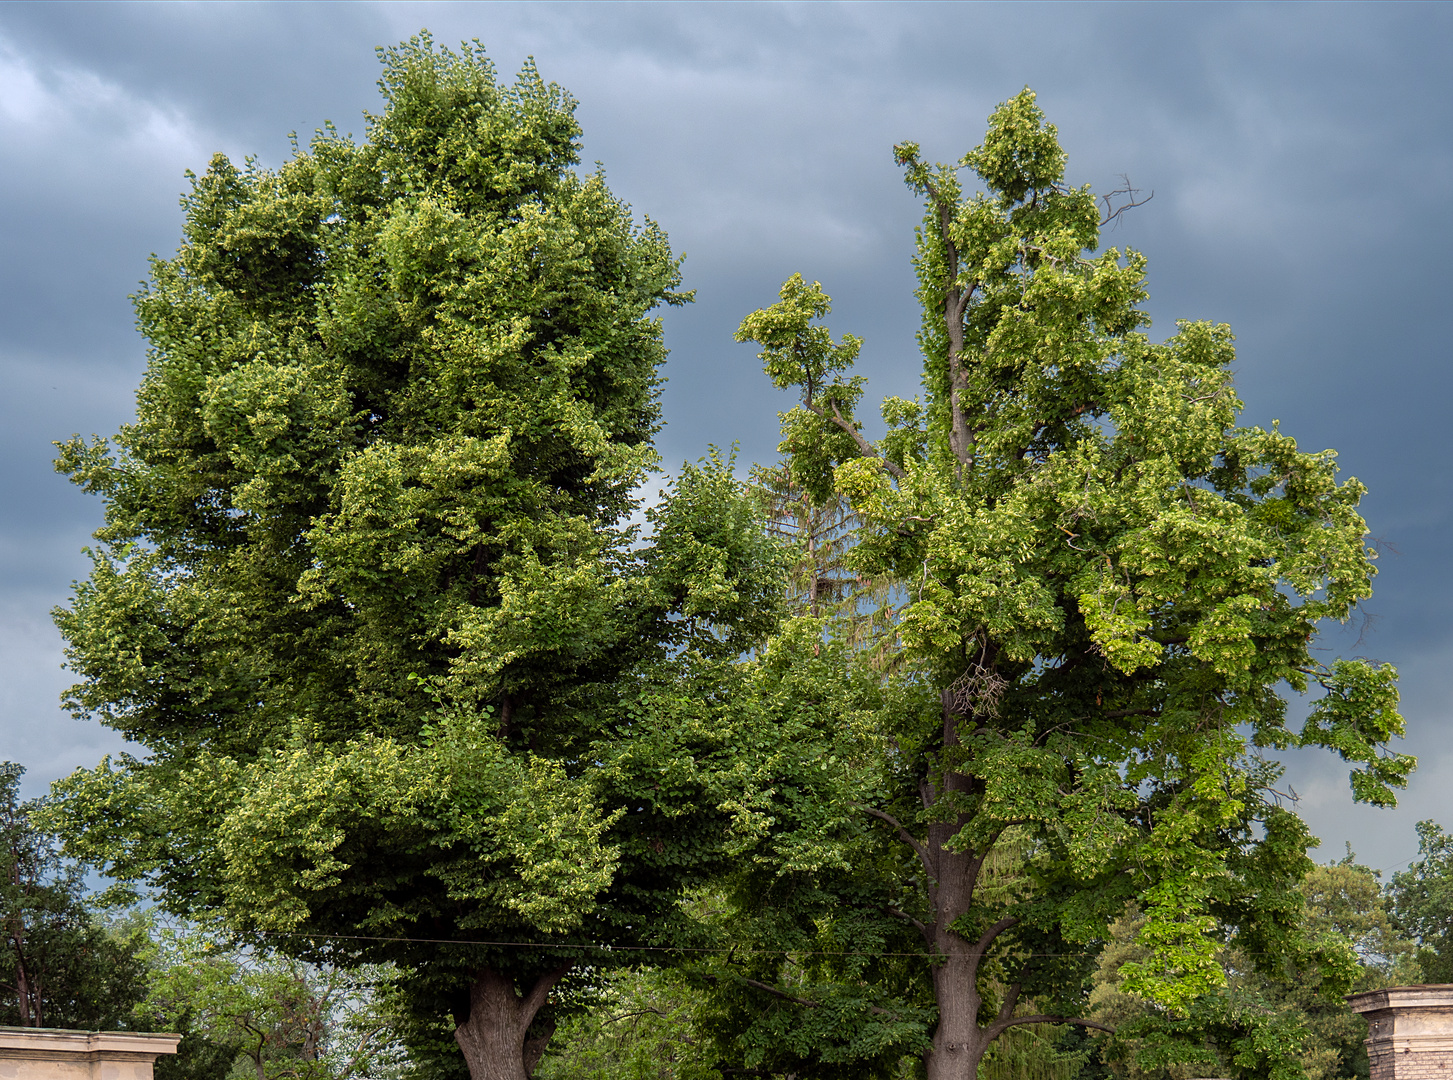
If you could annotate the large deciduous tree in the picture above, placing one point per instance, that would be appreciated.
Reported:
(410, 689)
(1104, 581)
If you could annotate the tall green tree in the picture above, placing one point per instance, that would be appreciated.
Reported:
(1106, 581)
(411, 691)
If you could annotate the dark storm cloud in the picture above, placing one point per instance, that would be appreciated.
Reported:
(1300, 157)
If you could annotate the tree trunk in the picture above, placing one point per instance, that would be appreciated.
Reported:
(492, 1036)
(958, 1042)
(22, 976)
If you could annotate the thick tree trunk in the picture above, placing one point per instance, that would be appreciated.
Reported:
(493, 1035)
(958, 1043)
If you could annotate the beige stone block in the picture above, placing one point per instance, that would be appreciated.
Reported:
(59, 1054)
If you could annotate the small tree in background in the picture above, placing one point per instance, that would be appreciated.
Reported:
(1422, 899)
(1345, 903)
(821, 581)
(643, 1024)
(60, 963)
(285, 1019)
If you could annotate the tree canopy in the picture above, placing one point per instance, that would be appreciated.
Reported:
(1104, 582)
(411, 689)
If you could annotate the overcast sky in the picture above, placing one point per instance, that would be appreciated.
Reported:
(1301, 157)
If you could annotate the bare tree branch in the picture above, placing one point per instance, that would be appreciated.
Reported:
(633, 1012)
(1113, 212)
(982, 945)
(864, 446)
(538, 994)
(1011, 999)
(768, 988)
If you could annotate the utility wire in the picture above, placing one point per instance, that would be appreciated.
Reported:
(566, 945)
(697, 949)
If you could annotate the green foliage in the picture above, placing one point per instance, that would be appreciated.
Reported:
(278, 1018)
(812, 978)
(1422, 897)
(820, 583)
(399, 393)
(411, 690)
(1292, 1008)
(642, 1026)
(63, 963)
(797, 352)
(1033, 1053)
(1345, 902)
(1106, 581)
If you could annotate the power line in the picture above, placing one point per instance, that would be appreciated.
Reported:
(565, 946)
(694, 949)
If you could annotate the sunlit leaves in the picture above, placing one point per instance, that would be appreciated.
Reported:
(1103, 585)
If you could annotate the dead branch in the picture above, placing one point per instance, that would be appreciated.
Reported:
(1127, 192)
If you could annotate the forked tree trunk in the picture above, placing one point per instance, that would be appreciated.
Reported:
(492, 1036)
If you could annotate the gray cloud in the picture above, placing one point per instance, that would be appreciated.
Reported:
(1300, 155)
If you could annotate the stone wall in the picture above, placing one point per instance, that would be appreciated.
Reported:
(1410, 1031)
(58, 1054)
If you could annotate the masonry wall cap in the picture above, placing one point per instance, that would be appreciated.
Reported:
(1409, 1031)
(68, 1040)
(28, 1053)
(1427, 996)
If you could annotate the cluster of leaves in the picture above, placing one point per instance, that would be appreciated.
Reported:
(1288, 1019)
(642, 1025)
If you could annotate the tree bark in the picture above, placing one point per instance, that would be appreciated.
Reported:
(959, 1042)
(24, 989)
(492, 1036)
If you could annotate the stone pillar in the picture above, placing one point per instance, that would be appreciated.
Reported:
(56, 1054)
(1410, 1031)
